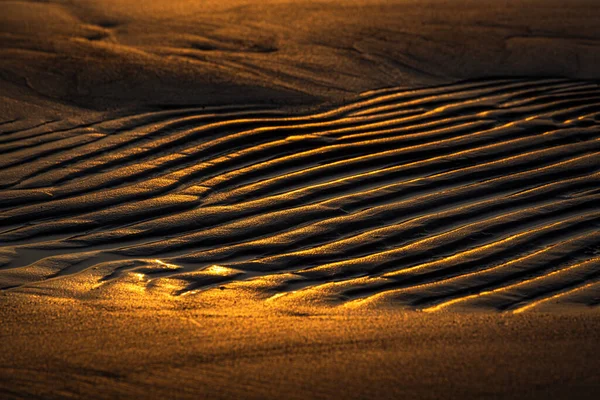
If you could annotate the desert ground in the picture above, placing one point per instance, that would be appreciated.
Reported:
(300, 199)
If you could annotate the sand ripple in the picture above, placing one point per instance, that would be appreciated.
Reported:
(478, 194)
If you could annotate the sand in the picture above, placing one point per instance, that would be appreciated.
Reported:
(58, 349)
(308, 199)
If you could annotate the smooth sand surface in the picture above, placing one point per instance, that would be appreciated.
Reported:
(58, 349)
(111, 54)
(299, 199)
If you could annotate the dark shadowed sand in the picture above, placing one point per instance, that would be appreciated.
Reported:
(300, 199)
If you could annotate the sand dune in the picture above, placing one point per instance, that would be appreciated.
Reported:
(299, 199)
(478, 194)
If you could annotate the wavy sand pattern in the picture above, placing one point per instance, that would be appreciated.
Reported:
(477, 194)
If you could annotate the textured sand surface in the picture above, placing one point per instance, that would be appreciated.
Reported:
(307, 199)
(482, 194)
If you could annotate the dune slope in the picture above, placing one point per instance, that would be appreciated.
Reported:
(299, 199)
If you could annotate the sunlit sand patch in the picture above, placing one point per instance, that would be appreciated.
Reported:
(189, 283)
